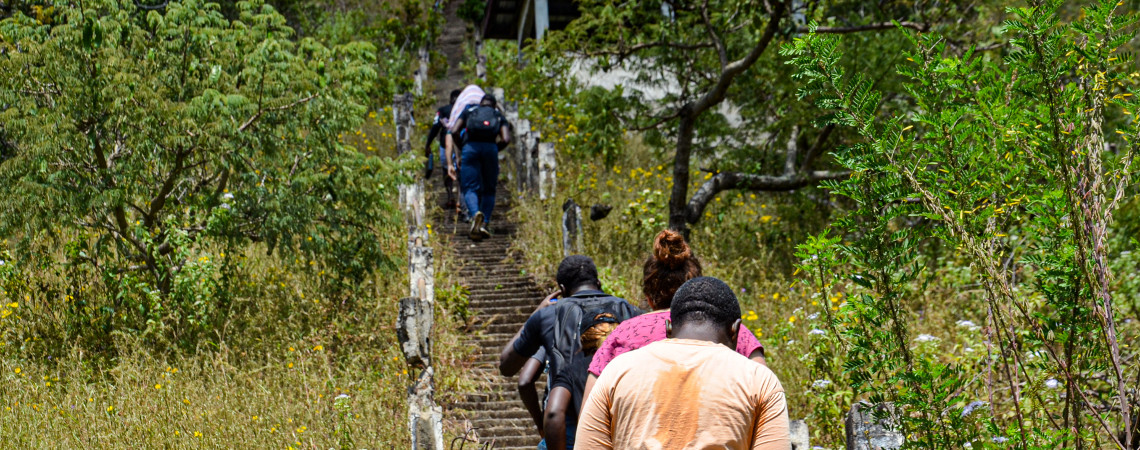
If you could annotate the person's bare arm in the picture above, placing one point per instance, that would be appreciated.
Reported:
(555, 423)
(505, 134)
(528, 393)
(590, 380)
(510, 361)
(758, 356)
(458, 125)
(449, 149)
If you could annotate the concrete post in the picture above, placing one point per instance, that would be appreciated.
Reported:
(873, 427)
(416, 316)
(511, 113)
(541, 18)
(520, 150)
(422, 72)
(402, 106)
(425, 418)
(532, 141)
(413, 331)
(547, 165)
(480, 58)
(571, 228)
(798, 429)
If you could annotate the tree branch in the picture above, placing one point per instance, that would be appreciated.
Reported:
(816, 148)
(729, 73)
(721, 53)
(735, 180)
(260, 111)
(920, 27)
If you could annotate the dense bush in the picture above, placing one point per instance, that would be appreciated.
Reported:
(149, 150)
(1018, 164)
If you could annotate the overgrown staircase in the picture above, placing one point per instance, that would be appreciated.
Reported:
(501, 296)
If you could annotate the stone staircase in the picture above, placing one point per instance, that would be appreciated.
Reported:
(502, 297)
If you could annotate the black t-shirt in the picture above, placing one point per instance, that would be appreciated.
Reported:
(573, 378)
(439, 124)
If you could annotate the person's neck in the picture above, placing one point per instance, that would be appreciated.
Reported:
(703, 333)
(584, 287)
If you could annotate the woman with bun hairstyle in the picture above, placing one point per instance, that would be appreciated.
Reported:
(671, 265)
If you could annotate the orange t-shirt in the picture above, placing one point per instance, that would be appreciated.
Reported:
(684, 394)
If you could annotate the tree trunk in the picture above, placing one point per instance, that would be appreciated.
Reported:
(679, 198)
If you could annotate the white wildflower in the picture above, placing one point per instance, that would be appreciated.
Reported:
(972, 406)
(228, 196)
(968, 324)
(817, 331)
(999, 439)
(820, 384)
(813, 316)
(1052, 383)
(925, 338)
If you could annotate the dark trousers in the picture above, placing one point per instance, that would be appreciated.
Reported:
(478, 177)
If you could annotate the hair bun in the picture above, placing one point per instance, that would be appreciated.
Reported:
(670, 248)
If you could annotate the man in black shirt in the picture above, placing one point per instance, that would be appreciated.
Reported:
(553, 327)
(565, 400)
(439, 126)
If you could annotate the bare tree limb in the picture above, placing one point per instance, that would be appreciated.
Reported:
(722, 54)
(816, 148)
(715, 95)
(920, 27)
(735, 180)
(259, 112)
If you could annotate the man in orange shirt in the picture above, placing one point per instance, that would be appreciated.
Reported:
(690, 391)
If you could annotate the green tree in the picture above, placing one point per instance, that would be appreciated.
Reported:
(712, 56)
(151, 143)
(1018, 163)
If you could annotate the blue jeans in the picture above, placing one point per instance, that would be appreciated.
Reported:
(478, 176)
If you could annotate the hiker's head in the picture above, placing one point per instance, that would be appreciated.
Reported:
(455, 95)
(596, 327)
(489, 100)
(577, 272)
(671, 265)
(705, 306)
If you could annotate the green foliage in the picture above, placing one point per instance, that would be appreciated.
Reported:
(1003, 160)
(155, 147)
(472, 10)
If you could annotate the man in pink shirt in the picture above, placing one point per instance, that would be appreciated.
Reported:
(691, 390)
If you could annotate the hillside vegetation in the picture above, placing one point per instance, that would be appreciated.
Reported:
(932, 212)
(200, 244)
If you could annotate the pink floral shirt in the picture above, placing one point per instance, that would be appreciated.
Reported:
(648, 328)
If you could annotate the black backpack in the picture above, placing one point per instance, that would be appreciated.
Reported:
(483, 124)
(569, 316)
